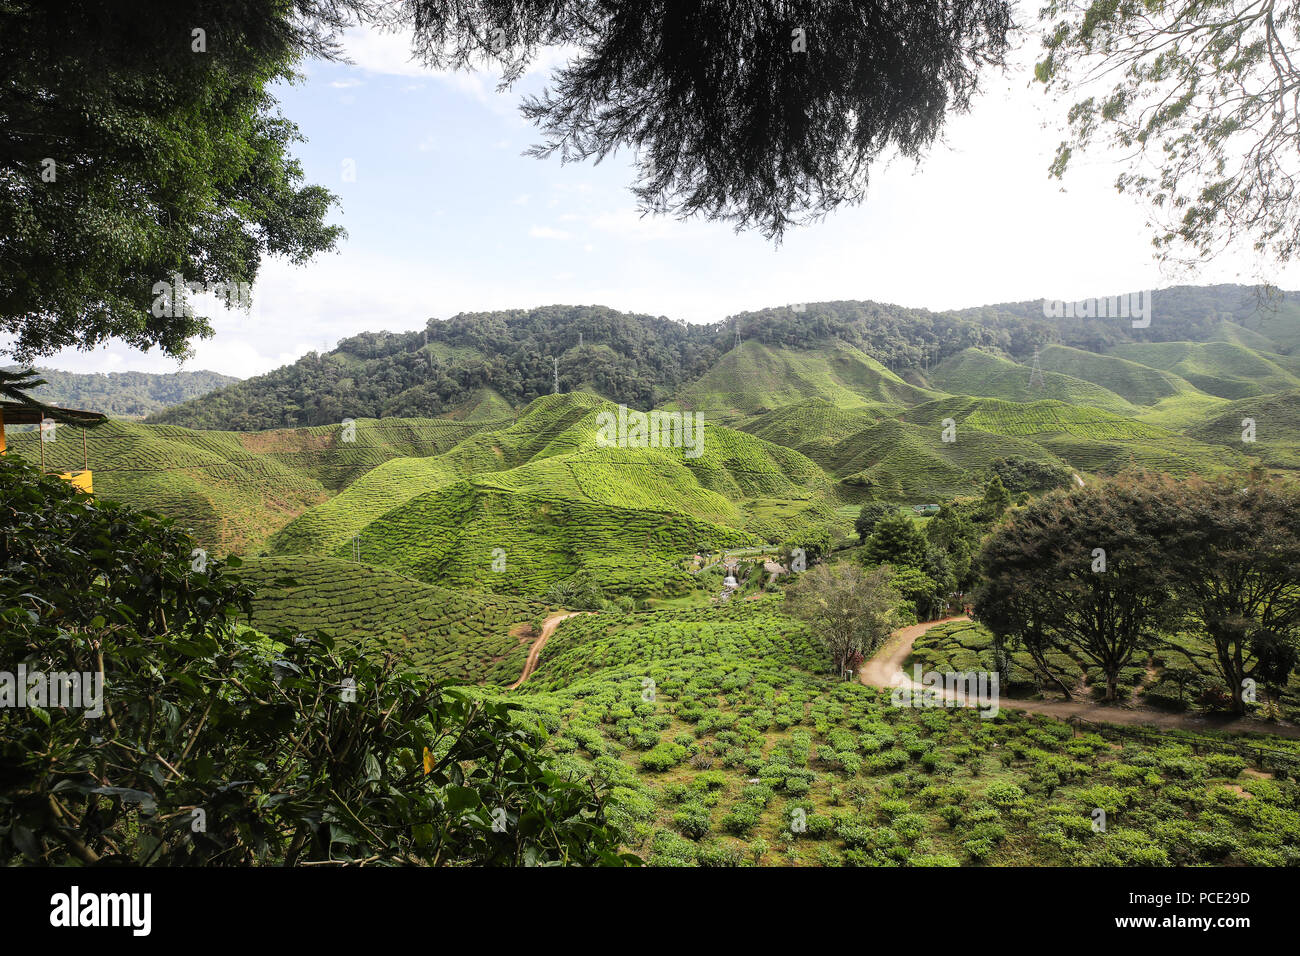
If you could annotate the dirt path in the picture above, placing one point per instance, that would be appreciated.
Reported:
(885, 670)
(534, 652)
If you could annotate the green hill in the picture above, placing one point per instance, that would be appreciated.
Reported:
(755, 378)
(1218, 368)
(1135, 383)
(1086, 439)
(1277, 429)
(234, 489)
(638, 510)
(903, 461)
(453, 535)
(484, 405)
(976, 372)
(811, 428)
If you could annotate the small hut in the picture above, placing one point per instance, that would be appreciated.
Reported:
(31, 412)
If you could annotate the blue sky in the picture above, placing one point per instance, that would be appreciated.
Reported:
(445, 215)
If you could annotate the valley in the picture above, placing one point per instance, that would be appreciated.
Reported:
(456, 517)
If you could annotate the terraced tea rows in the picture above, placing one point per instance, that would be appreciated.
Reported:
(974, 372)
(453, 536)
(725, 745)
(964, 646)
(474, 638)
(755, 378)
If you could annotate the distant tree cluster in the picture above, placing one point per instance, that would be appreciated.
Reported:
(1018, 474)
(643, 360)
(934, 559)
(637, 360)
(126, 394)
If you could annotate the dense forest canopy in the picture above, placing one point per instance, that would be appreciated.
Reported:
(126, 394)
(642, 360)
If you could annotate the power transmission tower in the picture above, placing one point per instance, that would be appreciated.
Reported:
(1035, 373)
(556, 363)
(737, 332)
(579, 340)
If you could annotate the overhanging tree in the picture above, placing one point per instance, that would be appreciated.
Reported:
(138, 143)
(1200, 98)
(764, 114)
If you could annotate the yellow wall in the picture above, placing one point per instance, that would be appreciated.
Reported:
(79, 479)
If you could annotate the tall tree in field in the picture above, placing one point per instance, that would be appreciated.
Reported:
(1234, 550)
(852, 611)
(896, 540)
(760, 113)
(868, 516)
(1081, 570)
(138, 143)
(1200, 97)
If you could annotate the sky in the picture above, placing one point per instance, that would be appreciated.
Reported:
(444, 215)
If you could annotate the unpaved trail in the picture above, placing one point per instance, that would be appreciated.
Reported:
(885, 670)
(888, 661)
(534, 652)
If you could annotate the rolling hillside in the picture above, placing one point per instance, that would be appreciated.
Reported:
(555, 503)
(234, 489)
(756, 378)
(818, 422)
(1216, 368)
(1276, 421)
(466, 637)
(975, 372)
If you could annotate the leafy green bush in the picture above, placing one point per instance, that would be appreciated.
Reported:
(219, 746)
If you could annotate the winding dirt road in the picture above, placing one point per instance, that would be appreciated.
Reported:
(534, 652)
(883, 670)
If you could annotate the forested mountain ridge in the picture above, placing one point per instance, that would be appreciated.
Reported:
(643, 361)
(128, 395)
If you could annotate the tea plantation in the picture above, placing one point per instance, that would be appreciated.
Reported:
(726, 744)
(457, 635)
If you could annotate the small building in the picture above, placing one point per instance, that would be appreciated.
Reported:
(22, 413)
